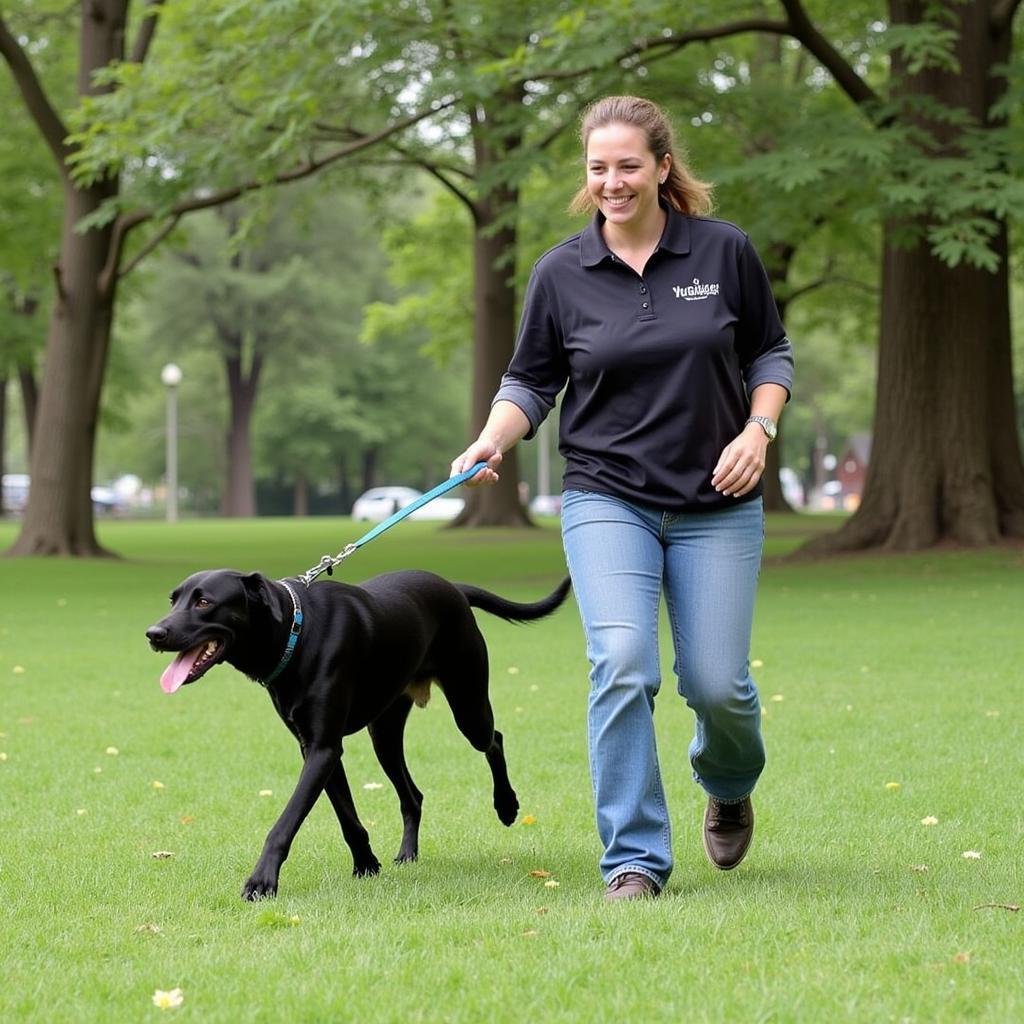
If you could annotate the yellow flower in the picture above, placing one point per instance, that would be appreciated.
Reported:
(892, 786)
(529, 819)
(18, 669)
(757, 663)
(3, 756)
(512, 670)
(157, 785)
(778, 698)
(168, 1000)
(266, 792)
(930, 820)
(551, 884)
(113, 751)
(373, 785)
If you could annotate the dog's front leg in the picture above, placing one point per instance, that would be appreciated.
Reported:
(316, 770)
(364, 862)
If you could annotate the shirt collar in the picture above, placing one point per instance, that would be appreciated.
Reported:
(675, 238)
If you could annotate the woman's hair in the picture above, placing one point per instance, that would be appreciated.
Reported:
(681, 189)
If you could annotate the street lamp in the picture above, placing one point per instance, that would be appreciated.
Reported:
(171, 377)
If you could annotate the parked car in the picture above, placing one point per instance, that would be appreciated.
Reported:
(380, 502)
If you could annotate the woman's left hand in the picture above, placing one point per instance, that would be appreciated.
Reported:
(741, 463)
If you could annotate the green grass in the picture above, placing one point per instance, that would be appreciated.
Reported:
(875, 670)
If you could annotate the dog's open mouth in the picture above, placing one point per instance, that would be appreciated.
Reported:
(189, 665)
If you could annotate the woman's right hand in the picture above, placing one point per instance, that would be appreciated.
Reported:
(481, 450)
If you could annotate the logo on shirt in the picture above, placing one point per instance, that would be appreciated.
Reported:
(695, 292)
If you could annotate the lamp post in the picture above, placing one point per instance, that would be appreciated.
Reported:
(171, 377)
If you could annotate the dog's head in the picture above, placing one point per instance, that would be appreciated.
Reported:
(210, 612)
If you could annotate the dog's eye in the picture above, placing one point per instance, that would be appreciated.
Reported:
(201, 602)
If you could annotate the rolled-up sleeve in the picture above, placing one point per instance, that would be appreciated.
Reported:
(538, 370)
(765, 351)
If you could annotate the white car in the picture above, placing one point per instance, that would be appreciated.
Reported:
(380, 502)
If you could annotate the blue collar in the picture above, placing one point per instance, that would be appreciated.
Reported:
(293, 635)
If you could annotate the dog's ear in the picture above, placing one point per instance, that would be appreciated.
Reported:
(259, 590)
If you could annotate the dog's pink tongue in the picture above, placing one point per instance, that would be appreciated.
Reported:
(177, 672)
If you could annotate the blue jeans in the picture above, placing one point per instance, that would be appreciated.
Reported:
(621, 557)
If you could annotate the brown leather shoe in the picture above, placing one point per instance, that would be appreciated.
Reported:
(631, 885)
(728, 830)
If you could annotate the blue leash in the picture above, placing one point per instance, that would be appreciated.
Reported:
(327, 563)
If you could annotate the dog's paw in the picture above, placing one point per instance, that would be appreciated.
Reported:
(259, 887)
(507, 807)
(405, 856)
(366, 867)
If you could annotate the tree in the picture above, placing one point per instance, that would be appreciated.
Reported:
(95, 233)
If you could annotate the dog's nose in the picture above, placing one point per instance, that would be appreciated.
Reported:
(156, 634)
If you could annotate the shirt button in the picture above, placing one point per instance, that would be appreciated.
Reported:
(645, 305)
(643, 289)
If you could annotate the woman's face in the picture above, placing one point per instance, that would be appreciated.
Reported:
(623, 175)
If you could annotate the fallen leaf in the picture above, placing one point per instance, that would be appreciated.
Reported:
(162, 855)
(971, 855)
(777, 698)
(757, 663)
(528, 819)
(3, 756)
(997, 906)
(512, 670)
(18, 670)
(542, 910)
(919, 868)
(551, 884)
(187, 819)
(149, 929)
(113, 751)
(530, 933)
(540, 873)
(892, 786)
(266, 792)
(962, 958)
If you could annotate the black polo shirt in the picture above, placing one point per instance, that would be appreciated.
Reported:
(657, 368)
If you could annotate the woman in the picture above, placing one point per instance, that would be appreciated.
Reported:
(660, 324)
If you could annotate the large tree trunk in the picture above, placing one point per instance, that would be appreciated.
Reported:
(58, 518)
(494, 330)
(945, 461)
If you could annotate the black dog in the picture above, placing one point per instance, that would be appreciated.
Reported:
(336, 658)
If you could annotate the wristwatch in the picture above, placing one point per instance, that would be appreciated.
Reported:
(767, 425)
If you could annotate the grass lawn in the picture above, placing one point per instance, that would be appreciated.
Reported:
(873, 672)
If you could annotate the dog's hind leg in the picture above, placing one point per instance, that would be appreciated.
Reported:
(364, 862)
(387, 733)
(464, 684)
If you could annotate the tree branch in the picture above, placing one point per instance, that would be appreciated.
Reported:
(146, 32)
(822, 282)
(801, 28)
(37, 103)
(702, 35)
(1003, 12)
(126, 222)
(147, 248)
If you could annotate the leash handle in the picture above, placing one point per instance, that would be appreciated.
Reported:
(327, 563)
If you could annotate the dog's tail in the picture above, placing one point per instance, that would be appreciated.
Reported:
(514, 611)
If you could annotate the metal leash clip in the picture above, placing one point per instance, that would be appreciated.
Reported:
(327, 564)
